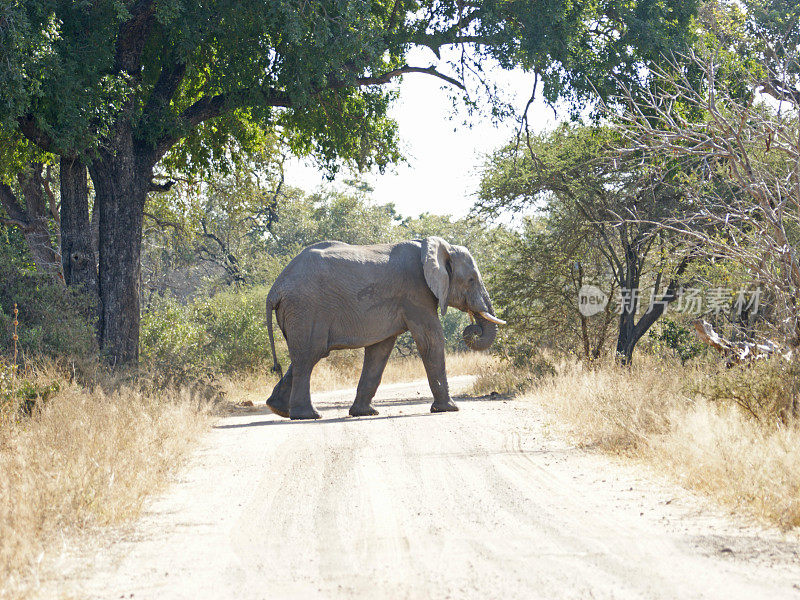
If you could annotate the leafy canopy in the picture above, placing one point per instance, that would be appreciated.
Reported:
(74, 73)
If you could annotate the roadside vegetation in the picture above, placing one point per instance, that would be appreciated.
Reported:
(682, 211)
(729, 433)
(82, 445)
(669, 201)
(74, 457)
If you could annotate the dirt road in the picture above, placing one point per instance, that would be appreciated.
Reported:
(484, 503)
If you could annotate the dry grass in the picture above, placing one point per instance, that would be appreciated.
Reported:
(503, 378)
(90, 458)
(342, 369)
(85, 459)
(652, 413)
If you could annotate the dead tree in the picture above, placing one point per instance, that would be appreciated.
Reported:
(742, 159)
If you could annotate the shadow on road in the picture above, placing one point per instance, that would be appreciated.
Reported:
(325, 406)
(406, 401)
(281, 421)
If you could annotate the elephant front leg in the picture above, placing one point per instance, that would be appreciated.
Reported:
(429, 338)
(278, 402)
(375, 358)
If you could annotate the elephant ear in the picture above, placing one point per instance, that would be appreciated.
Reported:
(435, 256)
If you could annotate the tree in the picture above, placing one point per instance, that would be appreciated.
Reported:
(34, 216)
(607, 203)
(29, 201)
(117, 84)
(544, 267)
(54, 218)
(740, 158)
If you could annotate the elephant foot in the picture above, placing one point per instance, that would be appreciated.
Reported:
(448, 406)
(363, 411)
(303, 412)
(279, 408)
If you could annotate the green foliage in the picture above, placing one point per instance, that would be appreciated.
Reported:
(594, 211)
(16, 154)
(766, 390)
(60, 62)
(54, 321)
(536, 282)
(207, 336)
(671, 335)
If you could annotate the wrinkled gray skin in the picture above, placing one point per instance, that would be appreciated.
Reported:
(333, 295)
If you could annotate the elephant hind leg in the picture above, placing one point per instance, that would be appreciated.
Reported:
(278, 402)
(300, 406)
(375, 358)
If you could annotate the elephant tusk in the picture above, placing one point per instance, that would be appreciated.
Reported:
(491, 318)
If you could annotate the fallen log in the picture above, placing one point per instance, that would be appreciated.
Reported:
(738, 352)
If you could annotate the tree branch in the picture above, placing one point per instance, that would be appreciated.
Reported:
(132, 37)
(210, 107)
(164, 89)
(161, 187)
(388, 76)
(163, 223)
(29, 128)
(16, 215)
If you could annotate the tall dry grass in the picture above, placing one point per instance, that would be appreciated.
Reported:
(655, 412)
(83, 459)
(89, 457)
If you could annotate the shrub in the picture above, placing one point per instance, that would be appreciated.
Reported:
(514, 376)
(54, 320)
(223, 333)
(765, 390)
(20, 395)
(236, 336)
(670, 335)
(170, 340)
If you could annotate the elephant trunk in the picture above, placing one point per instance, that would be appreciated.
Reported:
(481, 334)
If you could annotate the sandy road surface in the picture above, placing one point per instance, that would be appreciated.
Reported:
(483, 504)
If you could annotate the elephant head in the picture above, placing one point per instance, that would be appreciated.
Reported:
(453, 277)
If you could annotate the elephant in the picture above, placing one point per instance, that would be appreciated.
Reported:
(335, 295)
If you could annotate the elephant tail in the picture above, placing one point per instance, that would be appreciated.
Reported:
(271, 306)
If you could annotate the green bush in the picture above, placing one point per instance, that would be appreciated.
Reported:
(670, 335)
(170, 339)
(223, 333)
(54, 321)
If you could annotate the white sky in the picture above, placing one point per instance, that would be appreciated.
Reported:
(444, 156)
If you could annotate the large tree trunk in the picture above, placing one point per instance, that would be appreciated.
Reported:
(631, 331)
(77, 252)
(121, 179)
